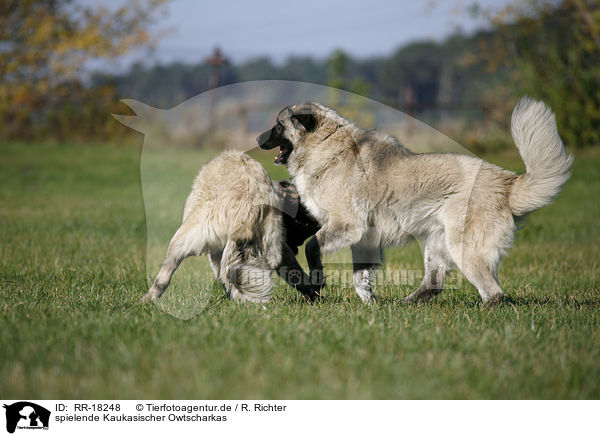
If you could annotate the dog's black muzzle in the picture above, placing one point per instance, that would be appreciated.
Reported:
(270, 139)
(264, 140)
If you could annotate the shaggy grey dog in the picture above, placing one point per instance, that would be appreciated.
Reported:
(369, 192)
(234, 215)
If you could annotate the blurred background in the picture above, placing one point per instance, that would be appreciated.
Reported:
(86, 212)
(458, 65)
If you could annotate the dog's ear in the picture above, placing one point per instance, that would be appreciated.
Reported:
(308, 121)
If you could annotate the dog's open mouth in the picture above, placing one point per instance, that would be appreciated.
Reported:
(284, 152)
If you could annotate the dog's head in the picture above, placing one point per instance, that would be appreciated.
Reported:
(295, 125)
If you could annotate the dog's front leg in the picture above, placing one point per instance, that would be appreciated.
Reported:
(331, 237)
(367, 258)
(437, 262)
(315, 266)
(291, 271)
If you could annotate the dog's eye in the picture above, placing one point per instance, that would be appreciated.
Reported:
(278, 128)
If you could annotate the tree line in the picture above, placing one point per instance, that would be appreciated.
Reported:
(549, 49)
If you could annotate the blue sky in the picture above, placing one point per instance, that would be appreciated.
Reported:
(281, 28)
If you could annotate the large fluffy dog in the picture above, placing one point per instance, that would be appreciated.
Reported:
(368, 192)
(234, 214)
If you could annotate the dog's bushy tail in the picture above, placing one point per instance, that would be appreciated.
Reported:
(547, 164)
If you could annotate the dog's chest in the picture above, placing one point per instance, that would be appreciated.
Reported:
(308, 198)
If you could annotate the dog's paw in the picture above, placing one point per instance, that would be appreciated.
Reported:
(367, 297)
(152, 294)
(317, 279)
(146, 298)
(313, 296)
(495, 300)
(409, 300)
(422, 296)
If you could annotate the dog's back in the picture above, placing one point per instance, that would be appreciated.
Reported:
(231, 197)
(233, 215)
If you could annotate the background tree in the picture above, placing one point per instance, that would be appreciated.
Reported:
(44, 45)
(553, 46)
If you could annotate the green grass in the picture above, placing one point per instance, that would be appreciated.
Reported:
(73, 269)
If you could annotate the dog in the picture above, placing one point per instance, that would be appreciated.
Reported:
(235, 215)
(297, 222)
(368, 192)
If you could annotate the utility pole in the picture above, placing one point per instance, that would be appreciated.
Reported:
(216, 61)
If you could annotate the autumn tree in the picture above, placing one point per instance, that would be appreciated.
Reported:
(553, 47)
(44, 46)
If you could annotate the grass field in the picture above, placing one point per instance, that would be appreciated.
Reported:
(73, 269)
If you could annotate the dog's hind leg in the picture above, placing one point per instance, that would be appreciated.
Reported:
(231, 259)
(478, 263)
(437, 261)
(366, 260)
(180, 247)
(214, 258)
(335, 234)
(484, 277)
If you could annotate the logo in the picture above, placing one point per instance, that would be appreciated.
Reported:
(26, 415)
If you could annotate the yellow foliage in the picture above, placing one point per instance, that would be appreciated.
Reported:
(55, 38)
(47, 42)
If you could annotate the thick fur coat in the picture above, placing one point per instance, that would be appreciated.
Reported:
(369, 192)
(234, 215)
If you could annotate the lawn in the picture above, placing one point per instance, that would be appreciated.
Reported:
(73, 259)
